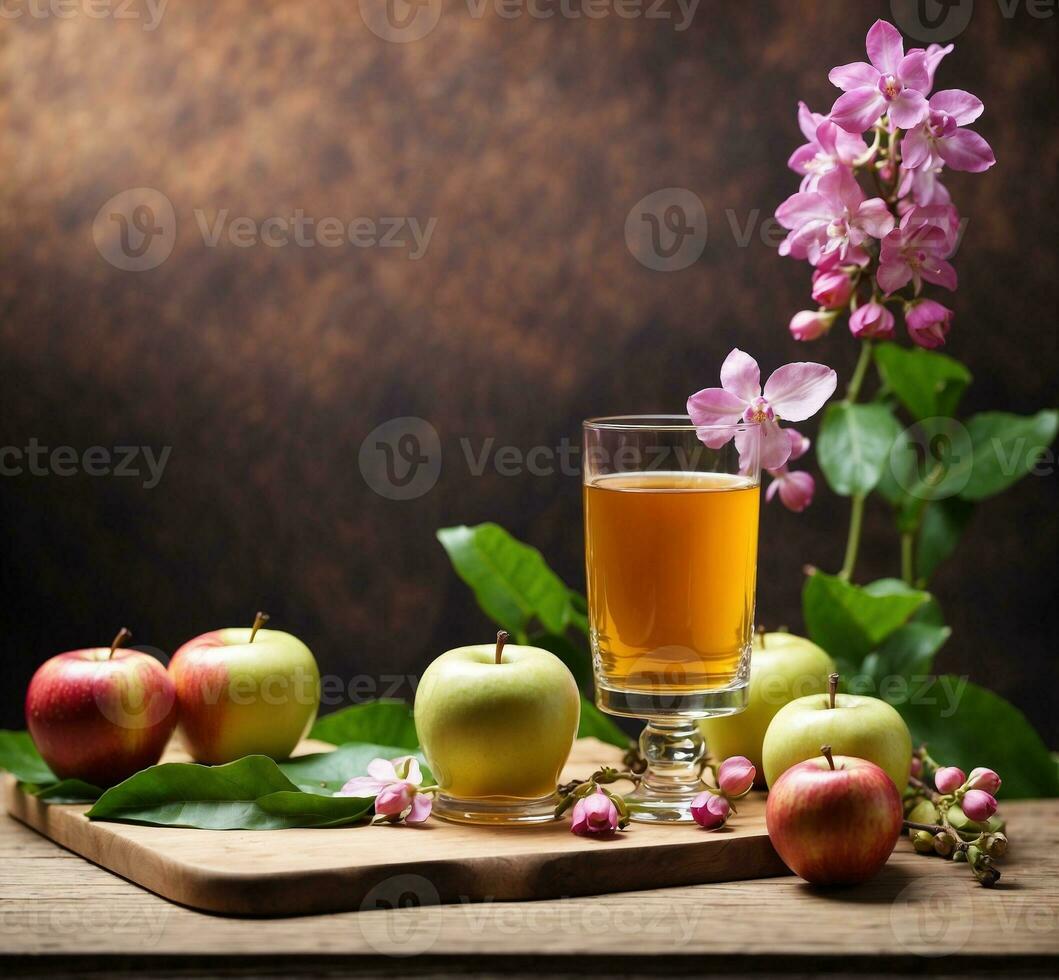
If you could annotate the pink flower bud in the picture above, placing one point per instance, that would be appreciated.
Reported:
(949, 779)
(871, 320)
(736, 775)
(710, 811)
(831, 288)
(595, 814)
(928, 322)
(394, 799)
(810, 324)
(978, 805)
(917, 766)
(984, 779)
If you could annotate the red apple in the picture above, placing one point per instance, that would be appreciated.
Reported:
(100, 714)
(834, 820)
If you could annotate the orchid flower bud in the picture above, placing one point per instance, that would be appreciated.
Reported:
(949, 779)
(928, 322)
(871, 320)
(978, 805)
(984, 779)
(710, 811)
(832, 288)
(595, 814)
(736, 775)
(811, 324)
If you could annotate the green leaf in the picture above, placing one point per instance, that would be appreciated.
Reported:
(66, 791)
(511, 581)
(854, 446)
(942, 526)
(248, 794)
(909, 651)
(1006, 447)
(850, 622)
(929, 461)
(575, 657)
(19, 756)
(595, 724)
(325, 772)
(967, 726)
(928, 384)
(383, 722)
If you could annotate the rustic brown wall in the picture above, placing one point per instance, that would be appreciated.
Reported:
(528, 140)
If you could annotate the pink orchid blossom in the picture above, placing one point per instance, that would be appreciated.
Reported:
(735, 776)
(795, 487)
(948, 779)
(938, 139)
(710, 810)
(917, 250)
(933, 55)
(811, 324)
(594, 814)
(832, 288)
(794, 393)
(828, 148)
(921, 187)
(928, 322)
(395, 786)
(871, 320)
(978, 805)
(984, 779)
(894, 83)
(836, 219)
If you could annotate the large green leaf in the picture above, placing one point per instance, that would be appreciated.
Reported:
(595, 724)
(19, 756)
(965, 725)
(942, 526)
(325, 772)
(908, 652)
(511, 581)
(575, 657)
(850, 622)
(928, 384)
(66, 791)
(382, 722)
(854, 446)
(248, 794)
(1006, 448)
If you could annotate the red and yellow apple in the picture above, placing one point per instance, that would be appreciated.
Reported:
(244, 691)
(834, 820)
(100, 714)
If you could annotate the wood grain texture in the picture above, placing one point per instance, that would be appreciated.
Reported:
(297, 872)
(919, 914)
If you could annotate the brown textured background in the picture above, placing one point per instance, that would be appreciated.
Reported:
(529, 140)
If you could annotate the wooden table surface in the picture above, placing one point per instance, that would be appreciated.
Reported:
(60, 914)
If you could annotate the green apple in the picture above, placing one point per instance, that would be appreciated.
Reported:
(497, 721)
(783, 667)
(244, 692)
(852, 724)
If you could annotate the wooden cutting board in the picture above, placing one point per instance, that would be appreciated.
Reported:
(300, 872)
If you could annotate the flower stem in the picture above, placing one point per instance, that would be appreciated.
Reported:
(908, 540)
(856, 518)
(853, 391)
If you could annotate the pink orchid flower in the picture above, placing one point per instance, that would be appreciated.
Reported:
(917, 250)
(921, 187)
(595, 814)
(872, 320)
(832, 288)
(795, 487)
(928, 322)
(933, 55)
(894, 83)
(395, 786)
(939, 139)
(835, 219)
(828, 148)
(794, 392)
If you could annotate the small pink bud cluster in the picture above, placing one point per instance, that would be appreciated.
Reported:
(595, 815)
(974, 793)
(735, 778)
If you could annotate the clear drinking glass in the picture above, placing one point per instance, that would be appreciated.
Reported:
(671, 526)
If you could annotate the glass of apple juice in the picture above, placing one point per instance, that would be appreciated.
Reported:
(671, 528)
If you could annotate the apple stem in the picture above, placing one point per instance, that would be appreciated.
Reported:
(501, 639)
(826, 750)
(259, 620)
(123, 637)
(832, 689)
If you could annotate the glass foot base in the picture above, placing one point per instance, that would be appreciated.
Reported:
(653, 807)
(497, 811)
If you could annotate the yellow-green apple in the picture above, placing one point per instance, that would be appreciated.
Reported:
(244, 692)
(497, 721)
(834, 820)
(852, 724)
(100, 714)
(783, 667)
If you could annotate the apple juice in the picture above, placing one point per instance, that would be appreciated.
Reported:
(671, 561)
